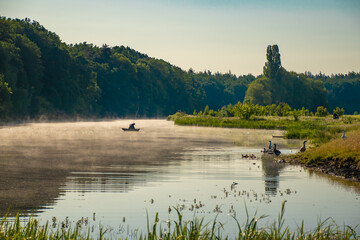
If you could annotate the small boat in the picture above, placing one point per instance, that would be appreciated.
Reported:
(131, 129)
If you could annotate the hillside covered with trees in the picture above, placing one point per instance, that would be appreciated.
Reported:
(42, 76)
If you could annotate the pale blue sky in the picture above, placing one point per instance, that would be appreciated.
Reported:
(316, 35)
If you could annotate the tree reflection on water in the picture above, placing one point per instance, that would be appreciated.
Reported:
(271, 170)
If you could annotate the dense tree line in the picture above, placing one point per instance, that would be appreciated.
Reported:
(280, 86)
(303, 90)
(343, 90)
(222, 89)
(42, 76)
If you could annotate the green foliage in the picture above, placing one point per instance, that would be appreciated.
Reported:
(48, 77)
(206, 110)
(218, 89)
(279, 86)
(212, 113)
(244, 111)
(258, 92)
(321, 112)
(343, 90)
(283, 109)
(348, 120)
(273, 65)
(5, 97)
(339, 111)
(296, 114)
(318, 129)
(176, 116)
(45, 78)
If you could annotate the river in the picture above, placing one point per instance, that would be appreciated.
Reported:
(96, 173)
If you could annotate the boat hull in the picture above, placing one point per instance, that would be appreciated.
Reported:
(131, 129)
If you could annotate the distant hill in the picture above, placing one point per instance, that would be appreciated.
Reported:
(41, 76)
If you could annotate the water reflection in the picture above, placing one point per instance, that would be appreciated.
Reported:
(103, 182)
(29, 191)
(271, 170)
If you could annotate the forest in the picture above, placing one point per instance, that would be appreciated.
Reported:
(43, 77)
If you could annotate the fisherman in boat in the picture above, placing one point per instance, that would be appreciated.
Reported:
(132, 126)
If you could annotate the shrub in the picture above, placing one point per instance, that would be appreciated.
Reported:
(296, 114)
(339, 111)
(321, 112)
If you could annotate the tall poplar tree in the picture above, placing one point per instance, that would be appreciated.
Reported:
(273, 65)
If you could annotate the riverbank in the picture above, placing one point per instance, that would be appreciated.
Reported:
(326, 151)
(339, 157)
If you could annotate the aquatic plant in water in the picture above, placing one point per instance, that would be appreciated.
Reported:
(184, 229)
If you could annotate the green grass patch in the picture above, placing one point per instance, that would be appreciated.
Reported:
(196, 228)
(304, 129)
(317, 129)
(338, 152)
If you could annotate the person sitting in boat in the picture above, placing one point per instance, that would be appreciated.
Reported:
(132, 126)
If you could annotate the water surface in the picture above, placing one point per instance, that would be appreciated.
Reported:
(96, 172)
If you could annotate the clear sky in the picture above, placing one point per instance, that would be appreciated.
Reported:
(215, 35)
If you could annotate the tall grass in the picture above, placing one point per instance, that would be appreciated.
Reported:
(32, 230)
(187, 229)
(340, 152)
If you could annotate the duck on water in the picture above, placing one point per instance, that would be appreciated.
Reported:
(269, 150)
(272, 151)
(277, 152)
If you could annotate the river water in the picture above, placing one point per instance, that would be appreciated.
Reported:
(99, 175)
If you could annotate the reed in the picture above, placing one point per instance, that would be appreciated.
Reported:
(186, 229)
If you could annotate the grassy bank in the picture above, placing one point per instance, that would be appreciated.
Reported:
(340, 157)
(183, 229)
(317, 129)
